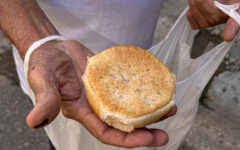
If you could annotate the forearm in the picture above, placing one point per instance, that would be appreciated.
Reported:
(24, 22)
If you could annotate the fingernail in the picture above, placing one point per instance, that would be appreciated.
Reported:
(42, 124)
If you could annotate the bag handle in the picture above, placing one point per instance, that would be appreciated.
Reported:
(230, 10)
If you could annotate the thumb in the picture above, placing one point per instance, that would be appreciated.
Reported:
(48, 101)
(231, 29)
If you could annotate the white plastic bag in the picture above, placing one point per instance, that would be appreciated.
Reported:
(192, 76)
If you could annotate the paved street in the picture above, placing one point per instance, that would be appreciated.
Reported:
(14, 107)
(216, 127)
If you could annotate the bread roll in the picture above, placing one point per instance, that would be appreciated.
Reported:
(128, 87)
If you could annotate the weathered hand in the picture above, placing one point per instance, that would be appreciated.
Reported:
(55, 71)
(203, 14)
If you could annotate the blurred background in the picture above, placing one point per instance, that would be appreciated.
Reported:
(216, 126)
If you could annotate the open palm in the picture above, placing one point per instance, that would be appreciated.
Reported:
(55, 71)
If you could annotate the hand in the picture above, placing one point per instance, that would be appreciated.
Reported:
(203, 14)
(55, 71)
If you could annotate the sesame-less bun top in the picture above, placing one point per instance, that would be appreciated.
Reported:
(128, 87)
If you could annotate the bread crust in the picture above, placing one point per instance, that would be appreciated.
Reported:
(128, 87)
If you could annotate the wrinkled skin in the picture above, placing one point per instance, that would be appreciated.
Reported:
(55, 71)
(203, 14)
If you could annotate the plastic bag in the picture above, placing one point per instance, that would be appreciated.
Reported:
(192, 76)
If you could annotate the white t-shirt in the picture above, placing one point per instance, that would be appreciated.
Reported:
(97, 24)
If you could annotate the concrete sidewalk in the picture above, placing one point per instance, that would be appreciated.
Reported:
(217, 129)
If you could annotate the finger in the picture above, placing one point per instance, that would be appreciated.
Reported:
(112, 136)
(137, 138)
(192, 21)
(82, 112)
(172, 112)
(207, 7)
(230, 31)
(105, 133)
(208, 10)
(160, 138)
(48, 100)
(197, 15)
(211, 13)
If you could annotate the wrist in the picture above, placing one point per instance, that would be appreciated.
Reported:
(38, 43)
(29, 37)
(24, 22)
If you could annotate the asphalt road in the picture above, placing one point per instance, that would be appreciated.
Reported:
(217, 129)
